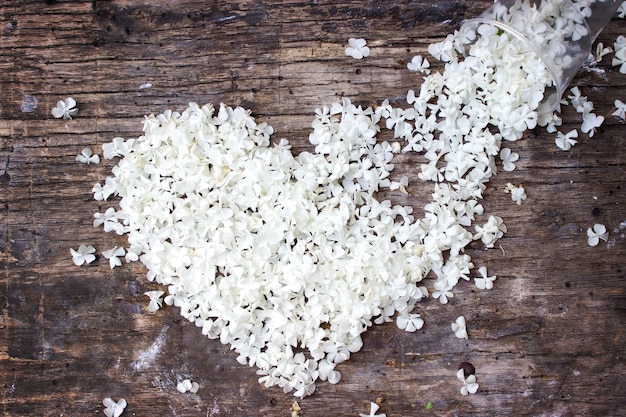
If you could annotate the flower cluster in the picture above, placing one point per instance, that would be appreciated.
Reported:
(289, 259)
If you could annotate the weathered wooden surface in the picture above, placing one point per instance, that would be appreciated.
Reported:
(548, 340)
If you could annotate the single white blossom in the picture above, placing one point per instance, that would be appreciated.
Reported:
(620, 110)
(596, 233)
(112, 408)
(621, 11)
(565, 141)
(470, 386)
(358, 48)
(373, 409)
(187, 385)
(84, 254)
(518, 194)
(486, 282)
(601, 51)
(508, 158)
(87, 156)
(419, 64)
(459, 329)
(65, 109)
(156, 302)
(409, 322)
(113, 255)
(619, 59)
(591, 121)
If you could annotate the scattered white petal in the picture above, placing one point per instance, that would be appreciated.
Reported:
(87, 156)
(156, 302)
(113, 255)
(187, 385)
(597, 233)
(112, 408)
(419, 64)
(84, 255)
(459, 329)
(470, 386)
(65, 109)
(358, 48)
(486, 282)
(566, 141)
(620, 110)
(373, 409)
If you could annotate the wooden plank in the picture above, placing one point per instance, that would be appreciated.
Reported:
(547, 340)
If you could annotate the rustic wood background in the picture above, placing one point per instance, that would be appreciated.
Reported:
(548, 340)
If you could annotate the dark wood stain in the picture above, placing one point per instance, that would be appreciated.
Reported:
(549, 339)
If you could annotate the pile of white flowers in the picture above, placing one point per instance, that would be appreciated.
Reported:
(289, 259)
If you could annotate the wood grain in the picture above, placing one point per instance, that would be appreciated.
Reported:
(549, 339)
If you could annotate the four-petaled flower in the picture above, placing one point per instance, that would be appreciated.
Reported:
(598, 232)
(357, 48)
(486, 282)
(187, 385)
(620, 109)
(113, 255)
(508, 158)
(591, 121)
(470, 386)
(409, 322)
(459, 329)
(419, 64)
(65, 109)
(114, 409)
(565, 141)
(619, 59)
(84, 254)
(87, 157)
(373, 409)
(156, 302)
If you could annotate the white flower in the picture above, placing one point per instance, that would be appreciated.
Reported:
(621, 11)
(619, 59)
(486, 282)
(113, 255)
(117, 147)
(591, 121)
(491, 231)
(459, 329)
(508, 158)
(357, 48)
(470, 386)
(601, 51)
(87, 156)
(409, 322)
(620, 109)
(373, 409)
(187, 385)
(112, 408)
(517, 193)
(598, 232)
(442, 51)
(65, 109)
(84, 254)
(419, 64)
(156, 302)
(566, 141)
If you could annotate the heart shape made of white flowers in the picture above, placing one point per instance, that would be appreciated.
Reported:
(289, 259)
